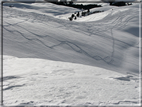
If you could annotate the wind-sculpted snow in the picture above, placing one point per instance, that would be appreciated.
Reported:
(46, 83)
(41, 45)
(104, 43)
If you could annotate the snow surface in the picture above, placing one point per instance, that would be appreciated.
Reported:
(49, 60)
(39, 31)
(31, 81)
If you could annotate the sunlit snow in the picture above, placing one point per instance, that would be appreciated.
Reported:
(49, 60)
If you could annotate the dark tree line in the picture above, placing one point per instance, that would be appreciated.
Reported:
(117, 3)
(79, 6)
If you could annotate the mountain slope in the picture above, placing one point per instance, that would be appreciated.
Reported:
(38, 31)
(49, 60)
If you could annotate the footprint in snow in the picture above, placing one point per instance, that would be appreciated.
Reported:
(64, 72)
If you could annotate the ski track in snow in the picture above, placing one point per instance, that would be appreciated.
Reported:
(104, 43)
(91, 29)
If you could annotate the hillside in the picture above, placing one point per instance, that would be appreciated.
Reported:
(66, 61)
(109, 39)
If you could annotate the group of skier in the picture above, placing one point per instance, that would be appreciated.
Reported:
(78, 14)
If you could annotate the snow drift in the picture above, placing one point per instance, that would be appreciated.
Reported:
(49, 60)
(109, 39)
(36, 82)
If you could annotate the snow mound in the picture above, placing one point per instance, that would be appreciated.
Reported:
(31, 81)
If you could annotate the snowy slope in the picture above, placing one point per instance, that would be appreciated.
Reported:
(41, 45)
(30, 81)
(37, 30)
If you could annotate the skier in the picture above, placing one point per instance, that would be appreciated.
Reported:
(77, 14)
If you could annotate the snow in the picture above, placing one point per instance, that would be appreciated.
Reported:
(49, 60)
(46, 82)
